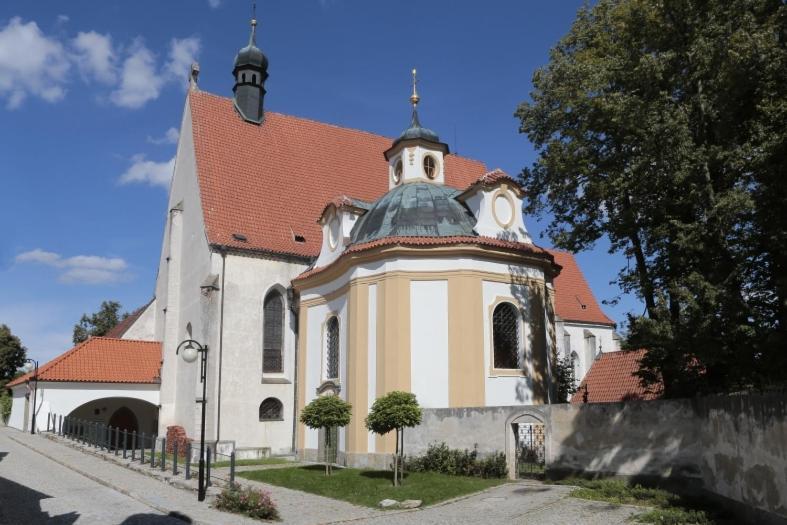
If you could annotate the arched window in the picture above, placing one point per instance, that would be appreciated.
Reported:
(271, 410)
(243, 77)
(332, 348)
(254, 79)
(273, 332)
(505, 332)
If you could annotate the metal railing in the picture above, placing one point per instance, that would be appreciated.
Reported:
(147, 449)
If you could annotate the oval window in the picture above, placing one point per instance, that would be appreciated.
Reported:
(397, 172)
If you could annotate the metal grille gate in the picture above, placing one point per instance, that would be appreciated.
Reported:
(530, 453)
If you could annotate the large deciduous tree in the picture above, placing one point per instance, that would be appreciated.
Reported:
(661, 125)
(12, 355)
(99, 323)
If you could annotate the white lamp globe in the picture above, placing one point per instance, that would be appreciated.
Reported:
(189, 354)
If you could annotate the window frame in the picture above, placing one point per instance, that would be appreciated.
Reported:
(326, 349)
(282, 302)
(280, 408)
(522, 353)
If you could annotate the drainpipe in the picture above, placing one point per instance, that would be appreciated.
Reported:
(295, 315)
(223, 253)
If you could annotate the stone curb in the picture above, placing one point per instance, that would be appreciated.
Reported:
(166, 511)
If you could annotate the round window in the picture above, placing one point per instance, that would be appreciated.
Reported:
(334, 231)
(397, 172)
(430, 166)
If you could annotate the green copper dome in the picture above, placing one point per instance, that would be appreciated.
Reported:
(417, 131)
(419, 209)
(251, 56)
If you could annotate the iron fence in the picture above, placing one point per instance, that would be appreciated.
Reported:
(144, 448)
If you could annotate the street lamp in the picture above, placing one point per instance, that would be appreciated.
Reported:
(32, 364)
(191, 349)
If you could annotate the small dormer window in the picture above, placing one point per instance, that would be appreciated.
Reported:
(397, 172)
(430, 166)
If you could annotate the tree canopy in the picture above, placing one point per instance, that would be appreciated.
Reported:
(12, 354)
(395, 411)
(99, 323)
(660, 125)
(327, 412)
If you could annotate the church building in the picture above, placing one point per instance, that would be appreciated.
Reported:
(313, 259)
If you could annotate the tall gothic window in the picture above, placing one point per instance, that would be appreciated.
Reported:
(332, 348)
(273, 333)
(505, 333)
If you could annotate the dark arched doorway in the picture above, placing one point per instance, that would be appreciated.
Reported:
(124, 419)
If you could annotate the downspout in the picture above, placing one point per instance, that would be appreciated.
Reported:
(295, 372)
(223, 253)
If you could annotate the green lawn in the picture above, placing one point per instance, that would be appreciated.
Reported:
(669, 508)
(246, 462)
(367, 487)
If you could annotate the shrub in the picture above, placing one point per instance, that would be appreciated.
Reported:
(5, 407)
(675, 516)
(455, 462)
(249, 501)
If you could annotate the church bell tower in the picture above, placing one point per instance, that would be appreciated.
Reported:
(250, 72)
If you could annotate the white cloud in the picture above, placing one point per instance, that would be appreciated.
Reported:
(139, 82)
(148, 172)
(214, 4)
(95, 56)
(30, 64)
(182, 53)
(170, 137)
(63, 19)
(81, 269)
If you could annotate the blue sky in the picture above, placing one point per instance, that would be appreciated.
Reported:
(91, 95)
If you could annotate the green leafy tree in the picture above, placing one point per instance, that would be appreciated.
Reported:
(327, 412)
(660, 125)
(99, 323)
(394, 411)
(12, 355)
(565, 380)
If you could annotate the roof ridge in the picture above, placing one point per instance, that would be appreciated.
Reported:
(323, 123)
(105, 338)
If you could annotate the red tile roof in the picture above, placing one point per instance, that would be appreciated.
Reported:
(271, 182)
(574, 300)
(103, 360)
(436, 241)
(122, 327)
(611, 379)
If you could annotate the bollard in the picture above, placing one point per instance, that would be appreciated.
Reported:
(152, 451)
(163, 454)
(207, 469)
(125, 442)
(142, 448)
(60, 425)
(175, 458)
(133, 445)
(187, 474)
(232, 468)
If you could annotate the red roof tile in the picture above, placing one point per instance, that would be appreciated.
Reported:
(270, 182)
(103, 360)
(611, 379)
(122, 327)
(574, 300)
(436, 241)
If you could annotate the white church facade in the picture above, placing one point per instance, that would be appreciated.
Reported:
(313, 259)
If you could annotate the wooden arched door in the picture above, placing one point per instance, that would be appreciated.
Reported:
(124, 419)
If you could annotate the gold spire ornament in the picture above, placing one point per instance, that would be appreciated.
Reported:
(414, 98)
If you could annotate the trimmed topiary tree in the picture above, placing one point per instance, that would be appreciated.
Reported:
(394, 411)
(327, 412)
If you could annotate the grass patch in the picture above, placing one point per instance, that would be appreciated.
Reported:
(250, 462)
(368, 487)
(670, 508)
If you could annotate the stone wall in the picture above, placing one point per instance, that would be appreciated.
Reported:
(732, 447)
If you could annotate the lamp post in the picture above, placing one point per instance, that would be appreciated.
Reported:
(191, 349)
(32, 363)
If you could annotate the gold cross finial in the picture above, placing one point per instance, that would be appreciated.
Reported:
(414, 98)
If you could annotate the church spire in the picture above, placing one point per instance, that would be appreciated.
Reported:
(250, 72)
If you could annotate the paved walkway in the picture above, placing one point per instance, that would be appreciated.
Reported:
(521, 503)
